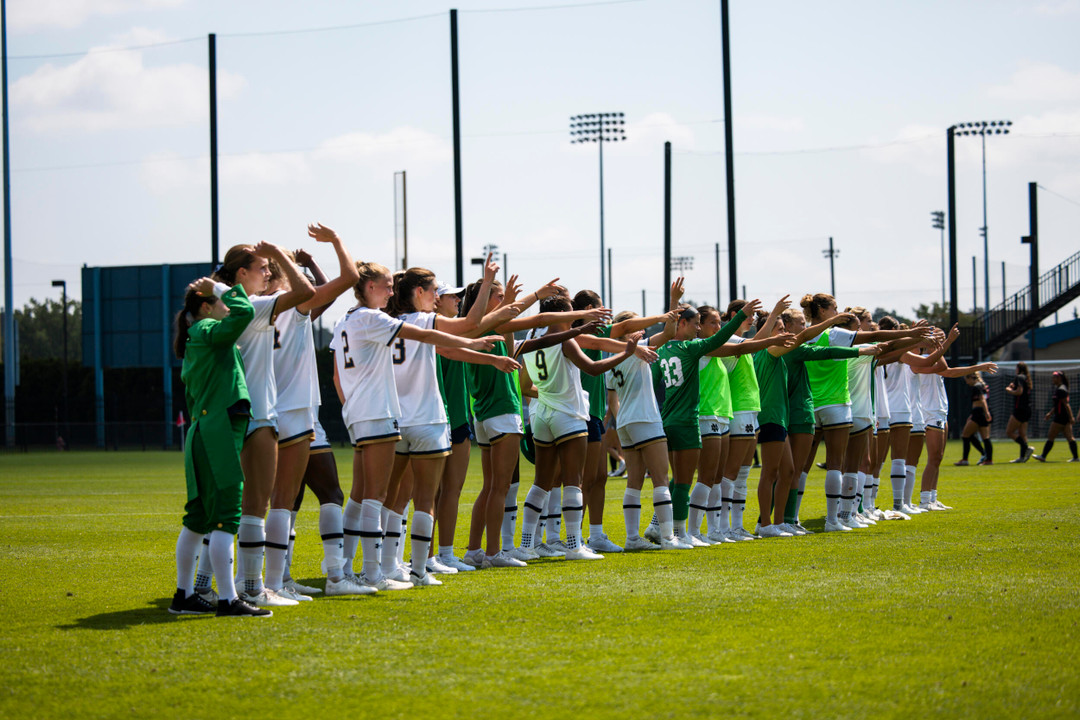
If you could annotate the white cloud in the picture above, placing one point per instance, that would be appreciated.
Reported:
(115, 90)
(29, 15)
(164, 173)
(409, 147)
(1056, 8)
(659, 127)
(914, 145)
(1038, 82)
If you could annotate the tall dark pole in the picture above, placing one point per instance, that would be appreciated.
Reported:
(610, 282)
(667, 221)
(974, 286)
(1002, 285)
(954, 301)
(643, 302)
(213, 154)
(459, 246)
(603, 284)
(62, 284)
(729, 148)
(831, 253)
(9, 309)
(719, 300)
(1033, 239)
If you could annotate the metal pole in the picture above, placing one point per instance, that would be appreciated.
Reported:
(718, 300)
(943, 267)
(643, 302)
(667, 220)
(729, 152)
(404, 224)
(9, 309)
(600, 141)
(832, 269)
(1003, 283)
(213, 154)
(506, 270)
(986, 231)
(610, 288)
(953, 299)
(1033, 238)
(458, 242)
(974, 286)
(63, 292)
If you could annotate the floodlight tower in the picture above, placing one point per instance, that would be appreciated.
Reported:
(599, 128)
(937, 217)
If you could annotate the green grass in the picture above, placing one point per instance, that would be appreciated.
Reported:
(967, 613)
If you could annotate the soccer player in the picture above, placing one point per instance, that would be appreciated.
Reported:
(1020, 389)
(1060, 416)
(978, 423)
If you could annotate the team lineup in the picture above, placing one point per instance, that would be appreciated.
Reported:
(423, 370)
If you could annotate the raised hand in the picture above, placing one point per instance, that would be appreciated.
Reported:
(677, 290)
(783, 340)
(781, 305)
(491, 269)
(321, 233)
(591, 327)
(871, 350)
(840, 318)
(632, 340)
(303, 257)
(512, 290)
(203, 286)
(954, 332)
(597, 314)
(483, 344)
(645, 354)
(265, 249)
(546, 291)
(751, 308)
(671, 316)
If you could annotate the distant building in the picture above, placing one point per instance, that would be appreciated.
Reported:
(1052, 342)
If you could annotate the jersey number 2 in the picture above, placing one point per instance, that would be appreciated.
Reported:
(345, 350)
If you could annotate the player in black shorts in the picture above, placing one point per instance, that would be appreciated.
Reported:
(1020, 389)
(978, 423)
(1060, 417)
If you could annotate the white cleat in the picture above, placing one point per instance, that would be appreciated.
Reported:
(938, 505)
(895, 515)
(425, 580)
(474, 558)
(791, 529)
(399, 574)
(557, 546)
(434, 565)
(287, 592)
(771, 531)
(740, 533)
(695, 540)
(836, 527)
(546, 551)
(652, 533)
(639, 543)
(583, 553)
(385, 584)
(524, 554)
(852, 523)
(602, 544)
(912, 510)
(803, 531)
(503, 559)
(267, 598)
(673, 543)
(347, 586)
(928, 507)
(302, 589)
(455, 562)
(718, 537)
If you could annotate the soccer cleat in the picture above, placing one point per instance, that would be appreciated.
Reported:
(452, 561)
(348, 585)
(984, 461)
(865, 519)
(1040, 458)
(674, 543)
(1029, 453)
(602, 544)
(1072, 460)
(267, 598)
(791, 529)
(194, 605)
(852, 523)
(958, 463)
(524, 554)
(583, 553)
(1021, 459)
(426, 580)
(434, 565)
(639, 543)
(619, 471)
(718, 537)
(836, 527)
(699, 540)
(927, 506)
(557, 545)
(896, 515)
(546, 551)
(287, 592)
(742, 534)
(652, 533)
(771, 531)
(502, 559)
(209, 595)
(798, 526)
(302, 589)
(399, 574)
(913, 510)
(938, 505)
(385, 584)
(474, 558)
(241, 608)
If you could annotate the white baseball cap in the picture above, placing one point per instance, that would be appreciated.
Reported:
(446, 289)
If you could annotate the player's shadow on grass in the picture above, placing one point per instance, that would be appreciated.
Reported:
(156, 612)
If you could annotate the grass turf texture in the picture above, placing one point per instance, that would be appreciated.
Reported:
(967, 613)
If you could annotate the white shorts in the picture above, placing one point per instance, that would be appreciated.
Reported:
(552, 427)
(918, 419)
(713, 426)
(900, 419)
(744, 424)
(320, 443)
(882, 425)
(254, 425)
(494, 429)
(424, 441)
(833, 416)
(366, 432)
(860, 424)
(295, 426)
(936, 420)
(634, 436)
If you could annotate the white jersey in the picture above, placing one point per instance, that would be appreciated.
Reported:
(896, 386)
(860, 378)
(363, 357)
(633, 386)
(295, 373)
(881, 395)
(416, 376)
(557, 380)
(917, 416)
(932, 395)
(256, 345)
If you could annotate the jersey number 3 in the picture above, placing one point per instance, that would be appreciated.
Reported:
(671, 369)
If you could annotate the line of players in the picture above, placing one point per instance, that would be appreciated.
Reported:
(422, 368)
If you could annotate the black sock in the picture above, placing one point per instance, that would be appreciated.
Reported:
(978, 444)
(1072, 447)
(989, 450)
(967, 447)
(611, 463)
(1023, 445)
(1047, 448)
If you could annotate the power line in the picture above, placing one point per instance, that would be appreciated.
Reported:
(104, 50)
(331, 28)
(1066, 199)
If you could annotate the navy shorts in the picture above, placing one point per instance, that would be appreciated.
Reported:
(596, 428)
(771, 432)
(461, 433)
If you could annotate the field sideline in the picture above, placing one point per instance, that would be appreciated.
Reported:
(968, 613)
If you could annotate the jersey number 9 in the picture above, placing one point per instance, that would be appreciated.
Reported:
(541, 365)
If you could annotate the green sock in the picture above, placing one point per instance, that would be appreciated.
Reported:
(680, 502)
(792, 502)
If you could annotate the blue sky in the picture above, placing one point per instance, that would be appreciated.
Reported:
(840, 117)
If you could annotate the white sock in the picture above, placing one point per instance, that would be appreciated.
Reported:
(251, 537)
(287, 575)
(699, 505)
(277, 544)
(422, 525)
(509, 521)
(801, 489)
(738, 497)
(371, 536)
(573, 507)
(554, 515)
(188, 545)
(596, 531)
(933, 495)
(727, 490)
(221, 550)
(712, 509)
(870, 492)
(332, 539)
(631, 508)
(446, 552)
(897, 476)
(847, 494)
(350, 527)
(391, 538)
(833, 484)
(535, 502)
(205, 572)
(661, 501)
(909, 482)
(924, 497)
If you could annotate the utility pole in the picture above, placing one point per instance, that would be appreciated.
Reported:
(214, 237)
(832, 254)
(938, 222)
(456, 113)
(729, 144)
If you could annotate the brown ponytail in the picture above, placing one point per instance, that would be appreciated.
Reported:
(405, 284)
(187, 317)
(813, 305)
(238, 256)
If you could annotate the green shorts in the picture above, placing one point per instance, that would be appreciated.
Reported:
(801, 429)
(683, 437)
(214, 493)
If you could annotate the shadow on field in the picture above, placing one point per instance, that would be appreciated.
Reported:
(156, 612)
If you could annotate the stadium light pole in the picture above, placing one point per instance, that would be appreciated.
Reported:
(982, 128)
(9, 310)
(831, 253)
(62, 284)
(599, 128)
(938, 222)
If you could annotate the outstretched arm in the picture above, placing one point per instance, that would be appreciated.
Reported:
(500, 362)
(598, 367)
(441, 339)
(550, 339)
(770, 321)
(469, 325)
(326, 292)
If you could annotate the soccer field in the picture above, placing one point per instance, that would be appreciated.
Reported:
(967, 613)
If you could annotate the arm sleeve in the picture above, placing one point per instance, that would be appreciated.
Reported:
(707, 345)
(241, 312)
(818, 352)
(378, 327)
(839, 337)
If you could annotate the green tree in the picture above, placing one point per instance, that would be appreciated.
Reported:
(41, 330)
(938, 314)
(881, 312)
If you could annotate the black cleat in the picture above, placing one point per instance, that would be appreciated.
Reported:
(194, 605)
(240, 608)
